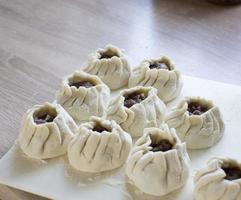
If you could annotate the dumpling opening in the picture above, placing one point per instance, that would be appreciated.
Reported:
(44, 115)
(134, 98)
(99, 128)
(109, 53)
(77, 82)
(86, 84)
(160, 144)
(232, 171)
(160, 65)
(196, 107)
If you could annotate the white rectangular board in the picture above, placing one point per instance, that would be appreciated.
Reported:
(55, 179)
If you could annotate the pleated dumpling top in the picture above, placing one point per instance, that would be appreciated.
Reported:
(158, 163)
(159, 73)
(111, 65)
(46, 131)
(197, 121)
(137, 108)
(101, 145)
(83, 95)
(220, 179)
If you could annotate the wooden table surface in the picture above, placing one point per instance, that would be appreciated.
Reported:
(42, 41)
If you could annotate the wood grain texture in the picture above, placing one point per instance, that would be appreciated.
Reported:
(7, 193)
(42, 41)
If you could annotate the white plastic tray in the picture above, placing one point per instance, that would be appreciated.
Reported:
(57, 180)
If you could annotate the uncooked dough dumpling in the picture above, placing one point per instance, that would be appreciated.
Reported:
(137, 108)
(219, 180)
(101, 145)
(46, 131)
(161, 74)
(111, 65)
(158, 163)
(197, 121)
(83, 95)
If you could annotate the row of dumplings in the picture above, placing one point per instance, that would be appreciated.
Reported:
(104, 141)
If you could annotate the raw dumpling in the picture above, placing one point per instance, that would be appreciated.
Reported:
(100, 146)
(111, 65)
(197, 121)
(158, 163)
(137, 108)
(83, 95)
(46, 131)
(219, 180)
(161, 74)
